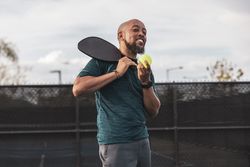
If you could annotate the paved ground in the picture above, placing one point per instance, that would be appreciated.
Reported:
(59, 151)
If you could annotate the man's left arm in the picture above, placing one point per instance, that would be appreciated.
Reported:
(151, 101)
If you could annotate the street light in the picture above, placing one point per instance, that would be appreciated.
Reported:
(172, 69)
(59, 75)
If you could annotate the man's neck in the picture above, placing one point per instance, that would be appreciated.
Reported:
(128, 53)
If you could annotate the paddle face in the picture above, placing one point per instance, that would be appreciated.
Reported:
(99, 48)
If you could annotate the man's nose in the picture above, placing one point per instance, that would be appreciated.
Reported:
(141, 34)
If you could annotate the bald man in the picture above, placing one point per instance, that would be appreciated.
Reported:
(124, 98)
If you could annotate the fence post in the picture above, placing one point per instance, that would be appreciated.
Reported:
(176, 141)
(78, 144)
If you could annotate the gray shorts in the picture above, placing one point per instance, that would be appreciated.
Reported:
(135, 154)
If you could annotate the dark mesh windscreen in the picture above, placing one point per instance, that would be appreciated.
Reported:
(199, 125)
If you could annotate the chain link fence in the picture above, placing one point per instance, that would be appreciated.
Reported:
(199, 125)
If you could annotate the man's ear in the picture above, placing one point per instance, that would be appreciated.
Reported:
(120, 35)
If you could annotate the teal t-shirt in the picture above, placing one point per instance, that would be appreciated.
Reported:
(120, 108)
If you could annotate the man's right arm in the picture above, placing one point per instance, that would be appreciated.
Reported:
(89, 84)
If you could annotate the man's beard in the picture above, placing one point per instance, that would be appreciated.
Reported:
(134, 48)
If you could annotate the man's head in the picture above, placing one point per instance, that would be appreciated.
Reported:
(132, 35)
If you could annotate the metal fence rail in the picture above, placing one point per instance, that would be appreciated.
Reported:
(199, 125)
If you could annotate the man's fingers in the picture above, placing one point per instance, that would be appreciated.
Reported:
(123, 65)
(143, 68)
(140, 67)
(148, 66)
(128, 61)
(131, 63)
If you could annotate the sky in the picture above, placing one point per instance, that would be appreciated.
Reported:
(191, 34)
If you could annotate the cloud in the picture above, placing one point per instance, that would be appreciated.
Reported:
(55, 60)
(51, 58)
(240, 6)
(190, 33)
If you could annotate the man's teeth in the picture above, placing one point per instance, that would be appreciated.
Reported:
(140, 40)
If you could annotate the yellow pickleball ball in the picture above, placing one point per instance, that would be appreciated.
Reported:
(145, 58)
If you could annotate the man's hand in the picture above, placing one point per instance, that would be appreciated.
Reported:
(123, 65)
(144, 73)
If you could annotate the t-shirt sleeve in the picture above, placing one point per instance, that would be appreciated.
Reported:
(91, 69)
